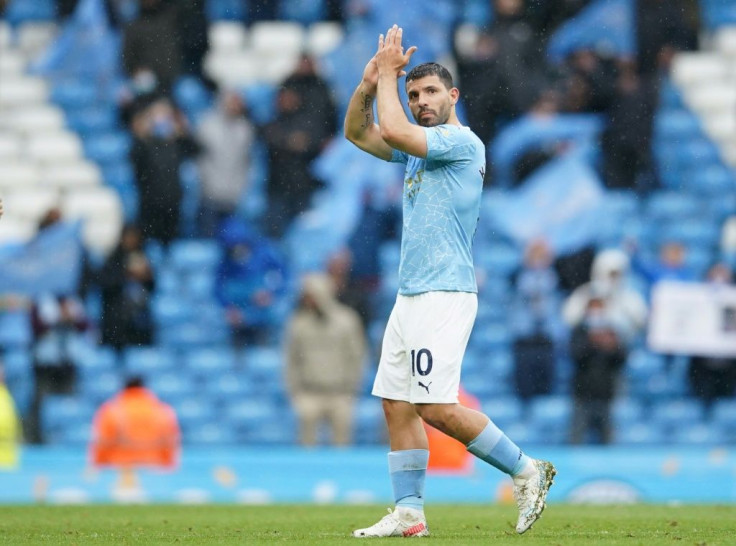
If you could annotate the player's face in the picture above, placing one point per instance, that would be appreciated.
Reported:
(430, 101)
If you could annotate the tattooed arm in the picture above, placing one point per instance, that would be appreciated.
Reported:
(360, 124)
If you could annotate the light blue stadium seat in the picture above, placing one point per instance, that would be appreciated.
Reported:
(148, 360)
(664, 205)
(21, 11)
(91, 121)
(693, 232)
(251, 414)
(626, 412)
(170, 310)
(264, 96)
(100, 386)
(302, 11)
(551, 412)
(699, 434)
(723, 414)
(368, 421)
(498, 259)
(15, 329)
(210, 362)
(493, 337)
(173, 385)
(226, 10)
(261, 362)
(504, 411)
(199, 285)
(190, 336)
(209, 434)
(676, 124)
(17, 363)
(195, 411)
(192, 97)
(97, 360)
(190, 255)
(229, 387)
(639, 434)
(60, 411)
(674, 414)
(74, 94)
(108, 148)
(641, 365)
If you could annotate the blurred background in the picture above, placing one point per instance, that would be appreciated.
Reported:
(180, 206)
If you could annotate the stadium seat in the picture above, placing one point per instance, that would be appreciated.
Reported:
(671, 415)
(12, 64)
(17, 362)
(74, 93)
(626, 412)
(22, 11)
(22, 91)
(227, 36)
(323, 37)
(35, 119)
(54, 147)
(30, 203)
(90, 121)
(368, 421)
(61, 411)
(95, 360)
(640, 434)
(233, 69)
(194, 412)
(551, 412)
(148, 360)
(16, 230)
(226, 10)
(699, 434)
(100, 386)
(15, 328)
(698, 67)
(723, 414)
(173, 385)
(504, 411)
(194, 255)
(73, 175)
(32, 38)
(207, 363)
(209, 434)
(261, 362)
(267, 37)
(302, 11)
(108, 148)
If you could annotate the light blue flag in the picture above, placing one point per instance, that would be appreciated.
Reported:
(88, 46)
(50, 263)
(560, 203)
(604, 25)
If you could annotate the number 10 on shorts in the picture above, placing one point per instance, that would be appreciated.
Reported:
(421, 362)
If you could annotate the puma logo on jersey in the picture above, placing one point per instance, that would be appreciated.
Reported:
(425, 386)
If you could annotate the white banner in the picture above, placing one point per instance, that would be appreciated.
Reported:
(694, 319)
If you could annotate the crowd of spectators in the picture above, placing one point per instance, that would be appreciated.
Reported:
(506, 78)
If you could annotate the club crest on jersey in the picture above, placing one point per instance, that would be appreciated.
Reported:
(413, 184)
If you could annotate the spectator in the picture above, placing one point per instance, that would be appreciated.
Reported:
(306, 120)
(670, 264)
(10, 431)
(58, 324)
(225, 136)
(325, 351)
(610, 277)
(534, 313)
(153, 42)
(598, 351)
(127, 283)
(135, 428)
(626, 141)
(162, 143)
(712, 378)
(251, 282)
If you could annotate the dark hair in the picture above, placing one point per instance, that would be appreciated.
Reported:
(431, 69)
(134, 382)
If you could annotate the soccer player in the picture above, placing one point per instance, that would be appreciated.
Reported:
(427, 332)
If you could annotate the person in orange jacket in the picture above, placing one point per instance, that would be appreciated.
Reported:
(447, 455)
(134, 429)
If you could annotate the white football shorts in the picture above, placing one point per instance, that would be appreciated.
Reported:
(423, 347)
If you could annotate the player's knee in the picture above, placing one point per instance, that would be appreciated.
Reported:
(436, 415)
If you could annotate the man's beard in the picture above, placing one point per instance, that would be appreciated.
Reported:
(436, 119)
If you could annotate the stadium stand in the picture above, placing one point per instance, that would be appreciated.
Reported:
(62, 143)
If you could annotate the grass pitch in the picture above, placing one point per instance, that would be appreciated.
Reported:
(461, 525)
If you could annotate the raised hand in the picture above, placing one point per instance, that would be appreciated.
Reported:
(391, 57)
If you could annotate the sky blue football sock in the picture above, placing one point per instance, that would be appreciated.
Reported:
(495, 448)
(408, 468)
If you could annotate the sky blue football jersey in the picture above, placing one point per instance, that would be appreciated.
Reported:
(441, 207)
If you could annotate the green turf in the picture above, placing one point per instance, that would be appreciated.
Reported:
(563, 525)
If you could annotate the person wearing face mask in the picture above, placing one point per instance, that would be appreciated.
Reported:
(598, 352)
(251, 282)
(161, 144)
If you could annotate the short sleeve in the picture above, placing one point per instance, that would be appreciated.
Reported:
(445, 144)
(399, 157)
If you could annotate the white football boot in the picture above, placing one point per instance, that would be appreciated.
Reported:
(401, 522)
(531, 494)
